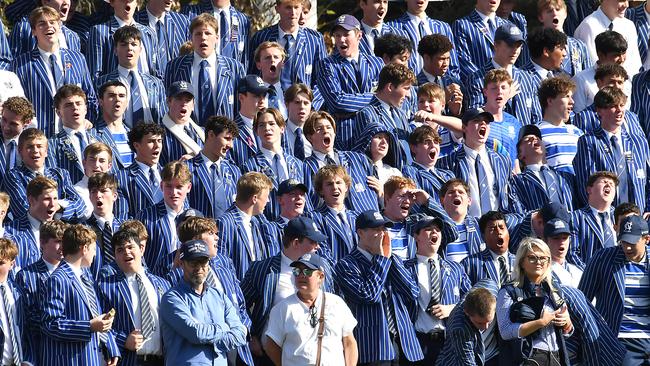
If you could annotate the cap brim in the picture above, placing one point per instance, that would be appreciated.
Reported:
(300, 186)
(629, 238)
(304, 263)
(557, 232)
(195, 256)
(182, 92)
(317, 237)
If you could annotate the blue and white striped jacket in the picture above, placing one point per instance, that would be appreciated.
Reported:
(22, 40)
(429, 180)
(587, 233)
(62, 152)
(641, 99)
(201, 197)
(481, 265)
(134, 191)
(161, 243)
(338, 241)
(5, 51)
(527, 192)
(176, 32)
(31, 282)
(640, 19)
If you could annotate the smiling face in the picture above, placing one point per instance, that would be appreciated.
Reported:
(269, 131)
(46, 31)
(128, 53)
(426, 152)
(496, 94)
(103, 199)
(456, 201)
(72, 111)
(322, 140)
(496, 236)
(44, 206)
(129, 257)
(204, 40)
(174, 193)
(220, 144)
(292, 204)
(428, 240)
(180, 108)
(395, 94)
(33, 153)
(347, 42)
(476, 133)
(333, 191)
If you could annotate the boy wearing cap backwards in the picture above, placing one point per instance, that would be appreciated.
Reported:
(213, 77)
(146, 92)
(380, 291)
(251, 94)
(557, 234)
(508, 42)
(215, 176)
(184, 138)
(617, 277)
(348, 78)
(442, 284)
(486, 171)
(135, 294)
(160, 219)
(199, 323)
(270, 280)
(296, 321)
(537, 183)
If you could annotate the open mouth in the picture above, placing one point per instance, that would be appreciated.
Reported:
(127, 8)
(50, 212)
(432, 155)
(336, 194)
(99, 204)
(457, 201)
(129, 259)
(184, 111)
(500, 242)
(482, 132)
(499, 99)
(327, 140)
(556, 21)
(273, 68)
(434, 240)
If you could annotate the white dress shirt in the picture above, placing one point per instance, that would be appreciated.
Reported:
(290, 132)
(152, 345)
(470, 155)
(586, 89)
(7, 349)
(246, 223)
(426, 323)
(196, 70)
(144, 96)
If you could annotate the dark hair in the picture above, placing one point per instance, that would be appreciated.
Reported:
(102, 180)
(422, 133)
(40, 184)
(488, 217)
(610, 42)
(108, 84)
(605, 70)
(219, 124)
(553, 87)
(67, 91)
(608, 97)
(601, 174)
(21, 106)
(126, 33)
(124, 236)
(452, 183)
(434, 44)
(624, 209)
(391, 44)
(142, 129)
(544, 38)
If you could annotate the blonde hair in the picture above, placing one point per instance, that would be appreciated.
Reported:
(529, 245)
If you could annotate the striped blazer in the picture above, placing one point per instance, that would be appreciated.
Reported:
(172, 147)
(340, 240)
(233, 240)
(114, 293)
(404, 27)
(104, 135)
(520, 21)
(161, 243)
(577, 57)
(474, 241)
(463, 344)
(474, 43)
(481, 265)
(22, 40)
(62, 151)
(524, 106)
(225, 271)
(240, 30)
(103, 247)
(364, 45)
(134, 191)
(5, 51)
(527, 192)
(360, 197)
(587, 233)
(101, 54)
(4, 159)
(454, 283)
(604, 280)
(429, 180)
(33, 74)
(31, 282)
(457, 163)
(227, 74)
(65, 319)
(595, 153)
(366, 285)
(29, 250)
(80, 24)
(638, 16)
(175, 33)
(303, 64)
(201, 195)
(588, 120)
(156, 96)
(641, 99)
(258, 286)
(259, 163)
(244, 146)
(19, 8)
(18, 178)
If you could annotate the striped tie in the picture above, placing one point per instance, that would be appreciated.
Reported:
(92, 303)
(484, 190)
(608, 236)
(206, 104)
(388, 309)
(503, 270)
(551, 184)
(211, 279)
(11, 154)
(107, 235)
(299, 145)
(434, 282)
(137, 108)
(146, 316)
(9, 311)
(621, 171)
(57, 75)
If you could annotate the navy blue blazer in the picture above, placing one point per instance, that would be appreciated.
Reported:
(5, 51)
(61, 150)
(429, 180)
(201, 197)
(134, 191)
(527, 192)
(638, 16)
(340, 240)
(31, 282)
(65, 319)
(101, 55)
(33, 73)
(161, 238)
(114, 293)
(481, 265)
(175, 33)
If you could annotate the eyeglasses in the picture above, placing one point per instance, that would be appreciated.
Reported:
(533, 259)
(313, 320)
(305, 272)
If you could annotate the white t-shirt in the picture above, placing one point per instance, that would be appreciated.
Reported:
(289, 327)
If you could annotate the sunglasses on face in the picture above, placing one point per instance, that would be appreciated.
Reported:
(305, 272)
(532, 259)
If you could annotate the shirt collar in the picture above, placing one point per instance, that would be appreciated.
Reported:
(124, 72)
(248, 122)
(144, 167)
(472, 153)
(507, 68)
(285, 260)
(269, 155)
(534, 167)
(153, 19)
(244, 216)
(365, 253)
(291, 126)
(320, 156)
(101, 221)
(484, 18)
(212, 60)
(70, 131)
(368, 29)
(33, 222)
(120, 22)
(46, 55)
(425, 260)
(209, 162)
(414, 18)
(281, 33)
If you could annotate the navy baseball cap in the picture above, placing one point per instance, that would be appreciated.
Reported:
(313, 261)
(556, 227)
(509, 33)
(426, 222)
(252, 84)
(371, 219)
(529, 130)
(179, 87)
(347, 22)
(475, 113)
(194, 249)
(305, 227)
(554, 210)
(190, 212)
(632, 228)
(289, 185)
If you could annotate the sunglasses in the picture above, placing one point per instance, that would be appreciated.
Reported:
(532, 259)
(313, 320)
(305, 272)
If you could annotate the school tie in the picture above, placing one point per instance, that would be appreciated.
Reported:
(107, 235)
(329, 160)
(57, 75)
(491, 27)
(421, 29)
(90, 295)
(82, 142)
(389, 310)
(11, 154)
(357, 73)
(193, 135)
(273, 98)
(434, 282)
(285, 75)
(549, 74)
(257, 240)
(219, 198)
(206, 106)
(9, 310)
(299, 145)
(484, 190)
(621, 171)
(551, 184)
(608, 235)
(161, 32)
(610, 26)
(223, 27)
(279, 169)
(137, 110)
(347, 230)
(155, 185)
(503, 270)
(146, 315)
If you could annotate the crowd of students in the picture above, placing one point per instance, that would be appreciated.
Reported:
(176, 189)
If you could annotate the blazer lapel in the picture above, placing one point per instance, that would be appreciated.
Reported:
(123, 288)
(489, 265)
(142, 182)
(41, 70)
(477, 22)
(205, 178)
